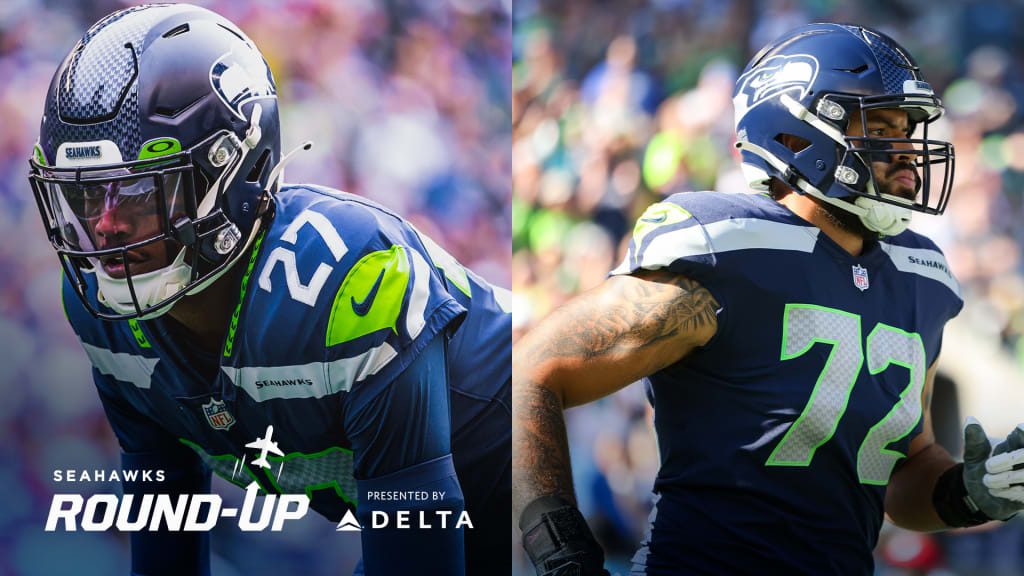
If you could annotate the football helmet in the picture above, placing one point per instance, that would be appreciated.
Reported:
(157, 158)
(809, 84)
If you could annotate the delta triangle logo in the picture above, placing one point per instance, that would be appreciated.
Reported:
(349, 523)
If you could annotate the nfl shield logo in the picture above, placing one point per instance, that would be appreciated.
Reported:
(217, 415)
(860, 277)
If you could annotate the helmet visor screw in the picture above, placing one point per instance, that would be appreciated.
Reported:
(831, 110)
(227, 239)
(220, 157)
(846, 175)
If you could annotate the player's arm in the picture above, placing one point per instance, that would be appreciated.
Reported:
(146, 446)
(908, 498)
(401, 439)
(625, 329)
(930, 491)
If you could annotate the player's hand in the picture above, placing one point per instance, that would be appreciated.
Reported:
(994, 479)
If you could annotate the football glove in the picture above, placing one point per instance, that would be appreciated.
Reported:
(994, 479)
(558, 540)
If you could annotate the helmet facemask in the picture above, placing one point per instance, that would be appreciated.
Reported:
(855, 185)
(155, 165)
(929, 160)
(141, 227)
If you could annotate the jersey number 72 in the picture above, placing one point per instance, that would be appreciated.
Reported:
(806, 324)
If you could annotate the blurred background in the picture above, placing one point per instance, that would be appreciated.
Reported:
(619, 103)
(408, 103)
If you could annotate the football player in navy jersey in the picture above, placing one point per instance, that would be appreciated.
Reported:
(223, 310)
(788, 340)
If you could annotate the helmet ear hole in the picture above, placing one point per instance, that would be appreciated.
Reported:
(259, 169)
(792, 141)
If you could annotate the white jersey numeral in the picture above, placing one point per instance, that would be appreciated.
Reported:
(803, 325)
(305, 293)
(323, 227)
(887, 346)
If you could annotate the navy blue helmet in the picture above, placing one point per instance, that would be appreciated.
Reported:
(156, 156)
(808, 84)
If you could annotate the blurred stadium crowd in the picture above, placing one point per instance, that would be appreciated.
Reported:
(619, 103)
(408, 103)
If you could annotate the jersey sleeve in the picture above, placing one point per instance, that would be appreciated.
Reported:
(146, 446)
(345, 286)
(669, 235)
(401, 439)
(389, 303)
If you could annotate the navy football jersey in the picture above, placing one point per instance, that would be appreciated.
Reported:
(778, 437)
(337, 299)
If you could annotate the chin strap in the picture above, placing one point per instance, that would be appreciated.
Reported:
(884, 218)
(881, 217)
(150, 288)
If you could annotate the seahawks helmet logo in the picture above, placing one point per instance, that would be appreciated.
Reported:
(240, 76)
(774, 76)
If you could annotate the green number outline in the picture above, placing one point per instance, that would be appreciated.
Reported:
(895, 407)
(810, 402)
(893, 412)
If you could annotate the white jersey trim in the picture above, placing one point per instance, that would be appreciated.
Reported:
(923, 262)
(313, 380)
(137, 370)
(415, 316)
(724, 236)
(756, 233)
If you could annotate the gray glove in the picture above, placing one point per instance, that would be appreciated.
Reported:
(994, 479)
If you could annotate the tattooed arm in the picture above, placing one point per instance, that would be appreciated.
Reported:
(604, 339)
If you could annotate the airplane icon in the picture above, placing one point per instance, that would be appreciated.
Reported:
(265, 445)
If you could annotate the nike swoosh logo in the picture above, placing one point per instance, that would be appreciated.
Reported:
(661, 218)
(363, 308)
